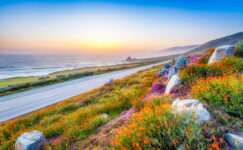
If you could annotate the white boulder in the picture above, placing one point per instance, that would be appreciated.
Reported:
(234, 139)
(191, 107)
(221, 52)
(105, 115)
(33, 140)
(174, 80)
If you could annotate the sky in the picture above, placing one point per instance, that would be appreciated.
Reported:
(113, 26)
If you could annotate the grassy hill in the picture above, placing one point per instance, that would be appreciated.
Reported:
(227, 40)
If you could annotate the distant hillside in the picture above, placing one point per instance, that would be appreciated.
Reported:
(178, 49)
(227, 40)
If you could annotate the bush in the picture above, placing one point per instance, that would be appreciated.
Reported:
(225, 92)
(205, 56)
(157, 127)
(239, 50)
(226, 66)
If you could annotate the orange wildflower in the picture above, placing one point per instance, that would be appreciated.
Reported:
(221, 140)
(226, 99)
(146, 141)
(174, 142)
(236, 143)
(214, 138)
(142, 129)
(216, 145)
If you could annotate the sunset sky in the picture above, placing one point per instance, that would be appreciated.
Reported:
(113, 26)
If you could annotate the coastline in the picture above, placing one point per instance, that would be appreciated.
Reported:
(19, 84)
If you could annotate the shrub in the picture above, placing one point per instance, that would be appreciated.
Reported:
(239, 50)
(205, 56)
(225, 92)
(158, 87)
(157, 127)
(226, 66)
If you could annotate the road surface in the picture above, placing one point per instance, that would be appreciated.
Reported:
(18, 104)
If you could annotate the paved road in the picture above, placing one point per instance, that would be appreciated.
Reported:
(18, 104)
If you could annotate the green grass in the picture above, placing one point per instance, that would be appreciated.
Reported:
(75, 118)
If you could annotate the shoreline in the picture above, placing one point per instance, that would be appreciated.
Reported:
(19, 84)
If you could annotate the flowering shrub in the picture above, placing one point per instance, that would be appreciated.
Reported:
(194, 58)
(167, 66)
(203, 59)
(157, 127)
(158, 87)
(225, 92)
(75, 118)
(226, 66)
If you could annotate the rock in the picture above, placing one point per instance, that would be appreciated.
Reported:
(105, 115)
(172, 72)
(163, 71)
(33, 140)
(167, 66)
(175, 80)
(234, 139)
(221, 52)
(191, 106)
(109, 82)
(157, 87)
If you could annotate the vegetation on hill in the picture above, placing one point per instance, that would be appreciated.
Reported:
(75, 118)
(141, 118)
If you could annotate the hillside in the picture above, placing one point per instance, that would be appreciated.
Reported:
(227, 40)
(178, 49)
(139, 112)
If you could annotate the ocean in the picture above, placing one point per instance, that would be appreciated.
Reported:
(36, 65)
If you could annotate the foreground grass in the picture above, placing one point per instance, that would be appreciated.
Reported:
(75, 118)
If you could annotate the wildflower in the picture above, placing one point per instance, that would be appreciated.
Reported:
(214, 138)
(195, 116)
(142, 129)
(158, 118)
(216, 145)
(146, 141)
(187, 146)
(174, 142)
(221, 140)
(139, 134)
(226, 99)
(187, 133)
(157, 126)
(236, 143)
